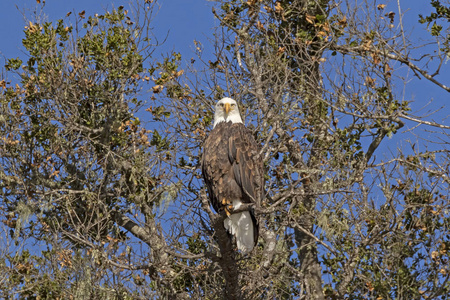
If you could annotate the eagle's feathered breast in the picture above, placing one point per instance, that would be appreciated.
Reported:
(230, 167)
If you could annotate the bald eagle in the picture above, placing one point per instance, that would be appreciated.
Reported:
(232, 173)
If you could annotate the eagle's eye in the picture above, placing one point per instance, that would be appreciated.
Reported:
(233, 105)
(221, 104)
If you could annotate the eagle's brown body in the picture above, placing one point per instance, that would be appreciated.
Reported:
(233, 175)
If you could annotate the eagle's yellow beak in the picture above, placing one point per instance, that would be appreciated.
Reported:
(227, 108)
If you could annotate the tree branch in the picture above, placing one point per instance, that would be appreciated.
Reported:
(397, 57)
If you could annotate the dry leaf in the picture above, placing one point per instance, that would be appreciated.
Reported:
(68, 14)
(376, 58)
(281, 50)
(158, 88)
(55, 173)
(260, 26)
(177, 74)
(278, 7)
(381, 6)
(387, 68)
(370, 81)
(81, 14)
(32, 27)
(391, 16)
(369, 286)
(343, 22)
(268, 9)
(434, 255)
(310, 19)
(367, 45)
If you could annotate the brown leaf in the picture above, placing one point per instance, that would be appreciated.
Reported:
(391, 16)
(260, 26)
(387, 68)
(434, 255)
(177, 74)
(281, 50)
(68, 14)
(268, 9)
(55, 173)
(367, 44)
(82, 14)
(343, 22)
(310, 19)
(381, 6)
(375, 57)
(278, 7)
(32, 27)
(158, 88)
(369, 286)
(370, 82)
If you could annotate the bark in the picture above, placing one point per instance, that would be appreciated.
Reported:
(227, 261)
(310, 267)
(227, 258)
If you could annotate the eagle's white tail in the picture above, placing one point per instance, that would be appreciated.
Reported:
(241, 226)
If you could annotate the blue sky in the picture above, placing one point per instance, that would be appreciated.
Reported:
(184, 20)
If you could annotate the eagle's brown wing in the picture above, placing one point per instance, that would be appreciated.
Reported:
(247, 168)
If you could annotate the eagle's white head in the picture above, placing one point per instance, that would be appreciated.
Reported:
(227, 110)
